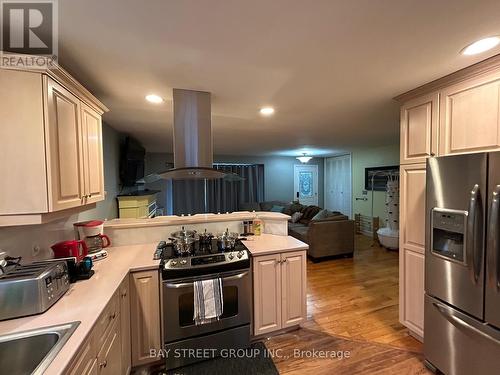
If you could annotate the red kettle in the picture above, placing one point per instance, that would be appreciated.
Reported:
(73, 248)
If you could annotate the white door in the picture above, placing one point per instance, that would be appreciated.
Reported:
(338, 189)
(305, 182)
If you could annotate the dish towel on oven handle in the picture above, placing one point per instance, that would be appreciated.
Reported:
(208, 303)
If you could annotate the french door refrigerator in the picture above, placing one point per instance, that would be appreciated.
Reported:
(462, 264)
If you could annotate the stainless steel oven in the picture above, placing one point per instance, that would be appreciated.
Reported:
(231, 331)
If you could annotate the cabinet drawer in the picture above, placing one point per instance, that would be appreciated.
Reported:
(106, 320)
(84, 363)
(109, 356)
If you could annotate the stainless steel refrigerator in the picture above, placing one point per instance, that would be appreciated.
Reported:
(462, 264)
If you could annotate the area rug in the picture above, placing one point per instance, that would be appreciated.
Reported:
(256, 361)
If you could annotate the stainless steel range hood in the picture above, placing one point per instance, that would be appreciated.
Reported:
(193, 153)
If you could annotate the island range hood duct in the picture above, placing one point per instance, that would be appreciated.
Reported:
(193, 153)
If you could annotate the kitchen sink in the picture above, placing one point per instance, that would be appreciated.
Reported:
(30, 352)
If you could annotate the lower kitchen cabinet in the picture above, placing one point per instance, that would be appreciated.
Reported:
(411, 296)
(125, 326)
(412, 247)
(104, 359)
(107, 349)
(145, 316)
(109, 358)
(279, 291)
(126, 330)
(86, 361)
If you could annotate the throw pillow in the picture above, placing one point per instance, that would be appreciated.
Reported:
(296, 217)
(310, 211)
(323, 214)
(277, 208)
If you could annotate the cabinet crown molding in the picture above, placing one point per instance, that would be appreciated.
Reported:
(60, 75)
(475, 70)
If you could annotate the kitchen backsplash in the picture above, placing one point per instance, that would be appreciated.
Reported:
(33, 242)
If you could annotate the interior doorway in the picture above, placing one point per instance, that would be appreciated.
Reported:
(338, 184)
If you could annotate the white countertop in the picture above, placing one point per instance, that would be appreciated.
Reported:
(270, 244)
(86, 299)
(194, 219)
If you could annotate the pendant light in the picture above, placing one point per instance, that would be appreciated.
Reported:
(304, 158)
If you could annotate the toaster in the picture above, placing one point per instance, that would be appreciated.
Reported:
(32, 288)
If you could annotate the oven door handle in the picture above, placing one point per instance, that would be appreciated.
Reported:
(186, 285)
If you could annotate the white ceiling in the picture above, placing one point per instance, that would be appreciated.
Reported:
(330, 68)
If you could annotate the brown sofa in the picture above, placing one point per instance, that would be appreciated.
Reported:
(326, 237)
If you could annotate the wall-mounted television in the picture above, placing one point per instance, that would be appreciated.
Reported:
(131, 161)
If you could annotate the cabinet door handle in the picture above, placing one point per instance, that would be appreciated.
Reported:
(103, 364)
(124, 294)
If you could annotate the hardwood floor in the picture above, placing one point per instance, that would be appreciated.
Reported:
(352, 306)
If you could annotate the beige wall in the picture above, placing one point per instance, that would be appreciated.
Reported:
(370, 157)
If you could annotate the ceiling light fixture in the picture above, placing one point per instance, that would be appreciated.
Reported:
(481, 45)
(153, 98)
(304, 158)
(266, 111)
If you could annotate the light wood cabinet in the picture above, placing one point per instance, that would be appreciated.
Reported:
(145, 316)
(470, 116)
(279, 291)
(126, 350)
(267, 293)
(294, 294)
(412, 290)
(419, 128)
(109, 358)
(21, 144)
(412, 207)
(412, 247)
(92, 155)
(50, 145)
(64, 139)
(107, 350)
(86, 361)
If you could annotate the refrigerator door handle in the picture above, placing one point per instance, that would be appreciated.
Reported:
(463, 321)
(473, 251)
(494, 240)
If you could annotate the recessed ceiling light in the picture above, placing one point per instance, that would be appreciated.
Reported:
(266, 111)
(153, 98)
(481, 45)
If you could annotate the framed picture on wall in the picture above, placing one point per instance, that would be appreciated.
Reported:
(379, 177)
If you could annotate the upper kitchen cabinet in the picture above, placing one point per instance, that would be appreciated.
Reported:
(419, 128)
(92, 153)
(65, 143)
(456, 114)
(50, 146)
(470, 117)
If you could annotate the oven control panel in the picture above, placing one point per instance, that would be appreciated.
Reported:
(207, 260)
